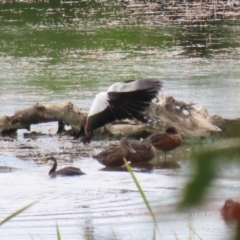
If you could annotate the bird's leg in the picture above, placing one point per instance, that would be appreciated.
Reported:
(81, 132)
(158, 157)
(60, 126)
(87, 138)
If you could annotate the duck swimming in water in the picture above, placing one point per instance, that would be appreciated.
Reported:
(135, 152)
(124, 100)
(113, 155)
(167, 141)
(67, 171)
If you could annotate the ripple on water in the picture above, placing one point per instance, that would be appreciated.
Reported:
(104, 203)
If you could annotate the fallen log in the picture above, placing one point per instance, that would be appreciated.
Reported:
(166, 111)
(63, 113)
(188, 118)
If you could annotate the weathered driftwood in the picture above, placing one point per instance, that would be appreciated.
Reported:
(63, 113)
(188, 118)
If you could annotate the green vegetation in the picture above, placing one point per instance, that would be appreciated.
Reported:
(206, 164)
(17, 212)
(58, 232)
(143, 197)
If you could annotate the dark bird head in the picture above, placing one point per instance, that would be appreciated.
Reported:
(172, 130)
(49, 159)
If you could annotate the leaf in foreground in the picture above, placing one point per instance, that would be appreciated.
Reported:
(17, 212)
(206, 163)
(143, 195)
(58, 232)
(87, 234)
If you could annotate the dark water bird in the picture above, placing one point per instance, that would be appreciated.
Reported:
(167, 141)
(67, 171)
(135, 152)
(231, 210)
(124, 100)
(113, 155)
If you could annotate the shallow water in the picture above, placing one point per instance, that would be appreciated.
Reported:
(106, 204)
(64, 54)
(61, 53)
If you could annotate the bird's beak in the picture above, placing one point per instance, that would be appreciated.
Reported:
(130, 149)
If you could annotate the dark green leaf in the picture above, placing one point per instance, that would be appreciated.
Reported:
(206, 164)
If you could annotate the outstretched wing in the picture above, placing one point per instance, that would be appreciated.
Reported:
(99, 113)
(122, 100)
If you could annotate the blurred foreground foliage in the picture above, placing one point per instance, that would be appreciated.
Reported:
(206, 169)
(206, 164)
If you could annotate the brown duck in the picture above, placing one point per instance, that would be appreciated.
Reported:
(67, 171)
(144, 151)
(113, 155)
(135, 152)
(167, 141)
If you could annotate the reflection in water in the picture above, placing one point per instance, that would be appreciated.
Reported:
(146, 167)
